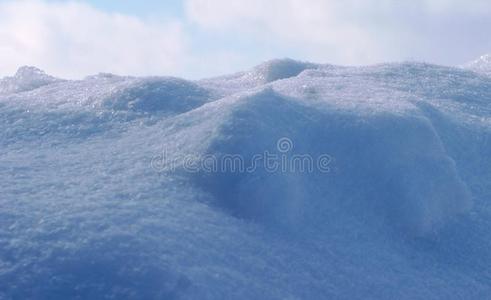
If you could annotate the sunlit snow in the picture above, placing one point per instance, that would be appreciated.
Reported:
(97, 200)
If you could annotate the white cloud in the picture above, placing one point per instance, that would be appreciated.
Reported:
(72, 39)
(457, 6)
(352, 31)
(315, 24)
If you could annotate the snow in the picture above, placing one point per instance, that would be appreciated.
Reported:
(267, 72)
(89, 207)
(480, 65)
(25, 79)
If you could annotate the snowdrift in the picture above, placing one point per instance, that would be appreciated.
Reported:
(391, 165)
(157, 188)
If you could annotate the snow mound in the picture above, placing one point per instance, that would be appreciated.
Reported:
(171, 95)
(95, 106)
(25, 79)
(278, 69)
(120, 187)
(267, 72)
(395, 162)
(480, 65)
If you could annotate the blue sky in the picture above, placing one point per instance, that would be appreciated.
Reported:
(143, 9)
(199, 38)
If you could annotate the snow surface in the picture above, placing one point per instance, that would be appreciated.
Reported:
(25, 79)
(481, 65)
(403, 212)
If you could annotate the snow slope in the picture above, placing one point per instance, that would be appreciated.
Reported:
(98, 198)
